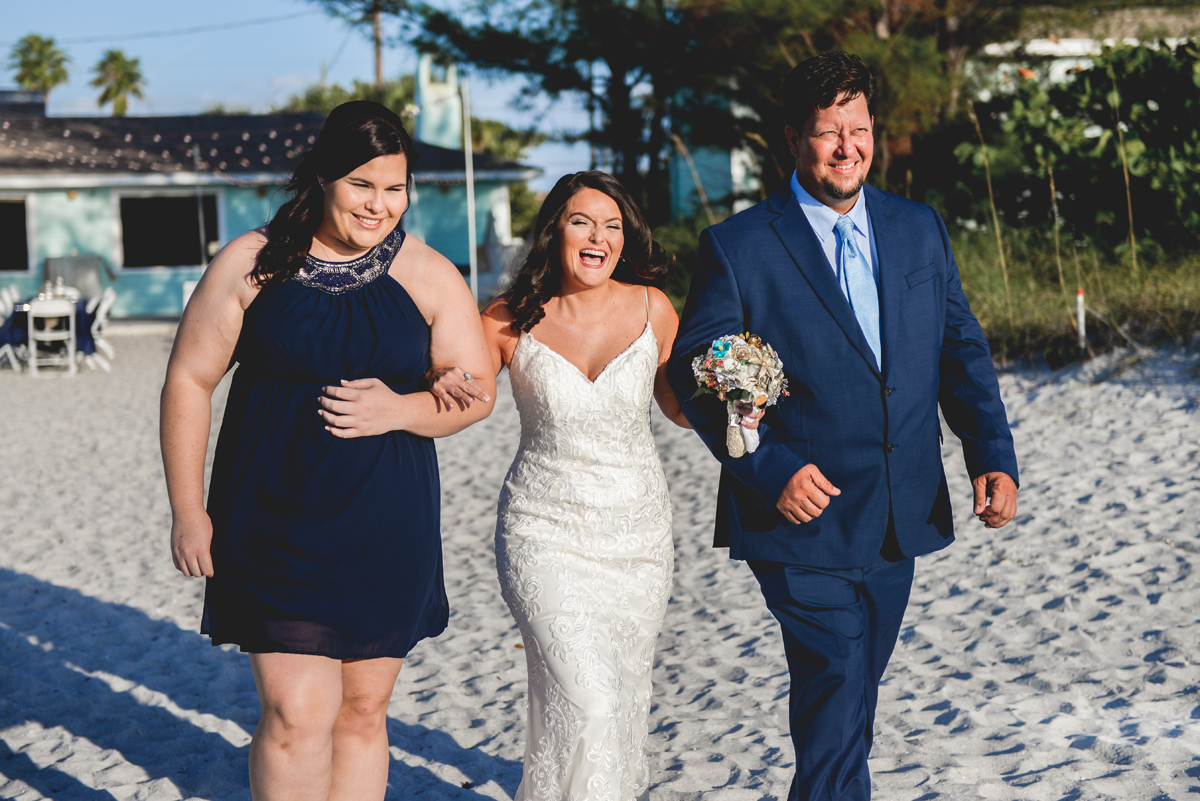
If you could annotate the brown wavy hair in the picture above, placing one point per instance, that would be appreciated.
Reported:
(642, 261)
(353, 134)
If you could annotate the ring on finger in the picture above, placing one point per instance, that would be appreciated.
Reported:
(468, 376)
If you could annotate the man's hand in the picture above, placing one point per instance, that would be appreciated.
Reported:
(995, 499)
(806, 495)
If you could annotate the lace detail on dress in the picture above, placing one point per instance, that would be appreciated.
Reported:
(336, 277)
(585, 559)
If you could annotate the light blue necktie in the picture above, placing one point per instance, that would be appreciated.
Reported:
(858, 284)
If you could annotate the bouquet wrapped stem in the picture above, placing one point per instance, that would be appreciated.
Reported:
(734, 440)
(740, 368)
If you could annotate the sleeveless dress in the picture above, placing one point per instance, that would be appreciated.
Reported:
(585, 559)
(322, 545)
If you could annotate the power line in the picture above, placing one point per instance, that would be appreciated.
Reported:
(221, 26)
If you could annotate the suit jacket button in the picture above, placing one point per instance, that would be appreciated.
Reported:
(891, 446)
(887, 390)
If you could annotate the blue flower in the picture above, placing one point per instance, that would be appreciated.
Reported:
(720, 348)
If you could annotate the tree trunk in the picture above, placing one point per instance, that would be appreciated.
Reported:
(956, 57)
(625, 132)
(377, 25)
(885, 159)
(658, 189)
(883, 25)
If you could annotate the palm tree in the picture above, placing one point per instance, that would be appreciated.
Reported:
(40, 65)
(119, 77)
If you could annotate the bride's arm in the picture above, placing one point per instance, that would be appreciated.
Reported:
(449, 383)
(368, 406)
(666, 324)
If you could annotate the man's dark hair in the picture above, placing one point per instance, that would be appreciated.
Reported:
(817, 82)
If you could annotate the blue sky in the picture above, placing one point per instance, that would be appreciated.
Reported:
(251, 65)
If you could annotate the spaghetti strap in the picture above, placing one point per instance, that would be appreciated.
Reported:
(647, 303)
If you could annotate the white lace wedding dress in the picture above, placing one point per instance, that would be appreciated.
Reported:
(585, 557)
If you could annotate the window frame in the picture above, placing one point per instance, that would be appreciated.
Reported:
(118, 227)
(31, 243)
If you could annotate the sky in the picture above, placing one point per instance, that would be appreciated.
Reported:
(248, 55)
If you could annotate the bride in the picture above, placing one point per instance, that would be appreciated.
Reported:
(583, 536)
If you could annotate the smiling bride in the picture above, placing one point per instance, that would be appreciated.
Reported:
(583, 536)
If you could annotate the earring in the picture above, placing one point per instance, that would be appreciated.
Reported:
(320, 183)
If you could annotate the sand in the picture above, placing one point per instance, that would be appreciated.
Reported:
(1056, 659)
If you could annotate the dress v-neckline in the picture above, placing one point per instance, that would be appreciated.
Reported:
(603, 370)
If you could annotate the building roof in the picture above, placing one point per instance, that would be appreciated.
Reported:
(249, 149)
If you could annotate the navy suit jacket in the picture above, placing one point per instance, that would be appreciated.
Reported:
(875, 436)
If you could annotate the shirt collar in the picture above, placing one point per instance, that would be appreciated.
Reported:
(822, 218)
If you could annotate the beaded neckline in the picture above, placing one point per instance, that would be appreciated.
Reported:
(336, 277)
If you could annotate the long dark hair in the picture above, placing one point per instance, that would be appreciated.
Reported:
(353, 134)
(642, 261)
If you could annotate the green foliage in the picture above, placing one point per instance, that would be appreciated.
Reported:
(39, 63)
(502, 141)
(623, 59)
(222, 110)
(523, 207)
(710, 70)
(118, 77)
(1162, 304)
(1072, 129)
(679, 239)
(322, 98)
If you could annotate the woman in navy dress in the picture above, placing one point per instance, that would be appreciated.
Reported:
(321, 540)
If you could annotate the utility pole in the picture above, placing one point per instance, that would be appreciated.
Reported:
(465, 92)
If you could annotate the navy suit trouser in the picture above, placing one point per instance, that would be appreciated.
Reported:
(839, 629)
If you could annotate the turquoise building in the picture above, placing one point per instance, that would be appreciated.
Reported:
(156, 197)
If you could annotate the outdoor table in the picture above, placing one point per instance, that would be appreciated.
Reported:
(15, 330)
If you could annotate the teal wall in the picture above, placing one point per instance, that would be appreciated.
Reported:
(439, 216)
(81, 225)
(247, 209)
(714, 167)
(84, 225)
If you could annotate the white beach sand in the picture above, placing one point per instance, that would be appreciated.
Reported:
(1057, 659)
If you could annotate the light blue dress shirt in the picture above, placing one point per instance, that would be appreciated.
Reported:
(823, 219)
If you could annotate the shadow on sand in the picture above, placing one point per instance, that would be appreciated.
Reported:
(155, 703)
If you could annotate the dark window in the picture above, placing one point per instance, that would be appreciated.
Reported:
(165, 231)
(14, 256)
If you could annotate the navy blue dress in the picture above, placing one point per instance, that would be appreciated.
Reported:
(322, 545)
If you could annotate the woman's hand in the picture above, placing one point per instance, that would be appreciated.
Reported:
(750, 413)
(191, 543)
(361, 408)
(453, 387)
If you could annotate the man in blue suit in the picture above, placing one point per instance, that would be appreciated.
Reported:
(859, 293)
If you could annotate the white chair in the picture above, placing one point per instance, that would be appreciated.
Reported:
(44, 311)
(6, 350)
(98, 359)
(100, 320)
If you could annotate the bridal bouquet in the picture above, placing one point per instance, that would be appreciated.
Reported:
(740, 368)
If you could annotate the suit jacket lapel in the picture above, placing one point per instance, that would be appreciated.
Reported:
(887, 248)
(802, 245)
